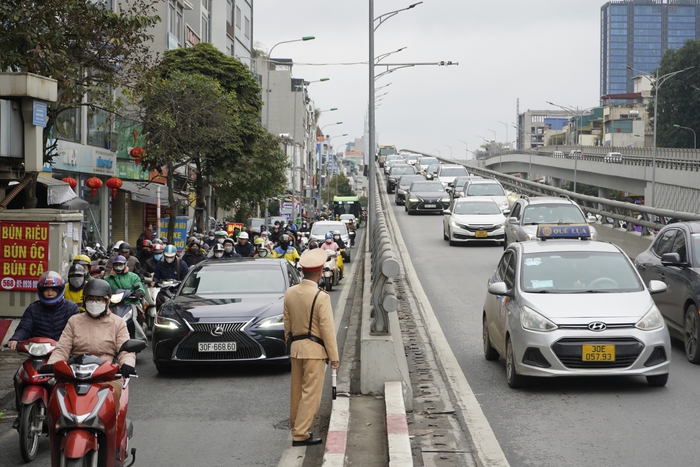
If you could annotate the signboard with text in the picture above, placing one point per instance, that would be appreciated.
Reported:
(179, 233)
(24, 253)
(232, 225)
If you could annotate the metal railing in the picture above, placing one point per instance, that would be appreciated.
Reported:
(384, 267)
(617, 213)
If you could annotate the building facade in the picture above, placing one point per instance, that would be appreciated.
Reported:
(636, 33)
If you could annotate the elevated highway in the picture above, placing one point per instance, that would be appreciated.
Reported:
(676, 176)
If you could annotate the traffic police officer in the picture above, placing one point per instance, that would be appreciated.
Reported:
(308, 323)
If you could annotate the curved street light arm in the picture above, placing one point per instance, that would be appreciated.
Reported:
(383, 56)
(382, 18)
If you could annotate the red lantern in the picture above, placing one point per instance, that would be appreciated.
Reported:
(71, 181)
(114, 184)
(137, 153)
(94, 184)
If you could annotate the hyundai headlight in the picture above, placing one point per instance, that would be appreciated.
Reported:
(533, 321)
(273, 322)
(651, 321)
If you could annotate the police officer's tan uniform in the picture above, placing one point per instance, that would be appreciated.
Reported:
(308, 357)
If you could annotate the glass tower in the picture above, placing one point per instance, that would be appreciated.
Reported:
(637, 32)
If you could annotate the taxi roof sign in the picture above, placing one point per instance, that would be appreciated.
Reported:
(549, 231)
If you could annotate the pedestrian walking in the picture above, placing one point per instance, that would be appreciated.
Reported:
(310, 332)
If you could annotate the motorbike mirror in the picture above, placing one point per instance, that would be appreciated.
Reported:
(132, 345)
(136, 286)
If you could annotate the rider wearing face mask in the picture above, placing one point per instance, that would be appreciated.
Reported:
(217, 251)
(193, 253)
(260, 250)
(244, 247)
(285, 250)
(171, 267)
(229, 249)
(97, 332)
(149, 266)
(77, 278)
(124, 279)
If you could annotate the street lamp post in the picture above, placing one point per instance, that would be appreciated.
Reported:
(506, 125)
(450, 151)
(695, 140)
(656, 82)
(267, 80)
(374, 23)
(578, 113)
(466, 150)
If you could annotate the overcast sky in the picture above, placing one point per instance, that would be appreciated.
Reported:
(534, 50)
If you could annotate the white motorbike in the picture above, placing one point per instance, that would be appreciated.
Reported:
(150, 297)
(330, 271)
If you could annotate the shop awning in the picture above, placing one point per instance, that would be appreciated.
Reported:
(57, 191)
(146, 192)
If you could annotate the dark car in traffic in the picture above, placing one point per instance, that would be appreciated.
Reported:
(396, 171)
(426, 196)
(674, 258)
(403, 185)
(226, 310)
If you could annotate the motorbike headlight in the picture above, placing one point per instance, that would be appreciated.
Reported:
(273, 322)
(37, 349)
(651, 321)
(167, 323)
(533, 321)
(127, 316)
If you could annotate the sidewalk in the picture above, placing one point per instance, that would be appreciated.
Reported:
(9, 362)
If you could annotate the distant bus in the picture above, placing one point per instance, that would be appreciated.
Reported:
(347, 205)
(385, 150)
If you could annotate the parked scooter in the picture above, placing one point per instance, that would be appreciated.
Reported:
(34, 398)
(83, 429)
(123, 304)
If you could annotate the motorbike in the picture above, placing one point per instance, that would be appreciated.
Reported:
(151, 300)
(99, 257)
(123, 304)
(83, 429)
(352, 234)
(330, 271)
(34, 397)
(168, 290)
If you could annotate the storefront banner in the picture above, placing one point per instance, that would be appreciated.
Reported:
(131, 171)
(232, 225)
(24, 253)
(179, 234)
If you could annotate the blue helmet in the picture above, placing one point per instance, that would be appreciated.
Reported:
(170, 251)
(51, 280)
(329, 235)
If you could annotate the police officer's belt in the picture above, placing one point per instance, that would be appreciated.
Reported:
(309, 336)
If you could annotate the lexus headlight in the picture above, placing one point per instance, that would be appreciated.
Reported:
(445, 200)
(533, 321)
(273, 322)
(413, 200)
(651, 321)
(167, 323)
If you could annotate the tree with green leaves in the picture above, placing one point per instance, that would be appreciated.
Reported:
(190, 122)
(59, 39)
(679, 97)
(338, 185)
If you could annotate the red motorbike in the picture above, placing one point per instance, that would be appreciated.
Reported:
(34, 398)
(84, 426)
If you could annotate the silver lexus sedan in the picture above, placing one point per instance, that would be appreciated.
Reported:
(563, 307)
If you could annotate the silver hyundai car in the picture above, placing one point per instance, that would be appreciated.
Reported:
(563, 307)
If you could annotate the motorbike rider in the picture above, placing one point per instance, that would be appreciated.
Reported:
(329, 244)
(229, 249)
(275, 234)
(171, 267)
(285, 250)
(313, 244)
(124, 279)
(46, 317)
(97, 332)
(149, 268)
(211, 239)
(132, 262)
(260, 250)
(304, 227)
(193, 254)
(217, 251)
(266, 241)
(145, 253)
(221, 235)
(77, 278)
(244, 247)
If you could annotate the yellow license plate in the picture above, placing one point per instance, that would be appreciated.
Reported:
(481, 234)
(598, 353)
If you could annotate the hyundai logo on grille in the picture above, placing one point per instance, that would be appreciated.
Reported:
(597, 326)
(218, 331)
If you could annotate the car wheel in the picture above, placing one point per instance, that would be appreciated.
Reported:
(490, 353)
(514, 379)
(657, 380)
(405, 207)
(449, 238)
(691, 334)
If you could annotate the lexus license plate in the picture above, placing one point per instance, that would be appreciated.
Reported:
(217, 346)
(428, 206)
(481, 234)
(598, 353)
